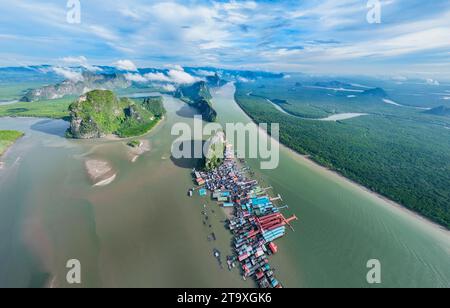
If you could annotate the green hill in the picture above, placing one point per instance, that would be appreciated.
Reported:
(99, 113)
(199, 97)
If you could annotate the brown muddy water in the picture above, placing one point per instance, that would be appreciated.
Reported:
(143, 231)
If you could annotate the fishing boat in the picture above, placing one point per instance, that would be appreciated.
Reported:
(216, 253)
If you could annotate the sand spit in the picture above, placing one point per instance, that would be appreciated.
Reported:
(135, 152)
(100, 172)
(107, 181)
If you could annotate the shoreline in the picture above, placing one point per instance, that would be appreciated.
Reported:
(8, 147)
(335, 175)
(106, 182)
(110, 137)
(339, 177)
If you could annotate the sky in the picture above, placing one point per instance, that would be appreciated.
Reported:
(310, 36)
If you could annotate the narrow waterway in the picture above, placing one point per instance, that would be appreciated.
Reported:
(331, 118)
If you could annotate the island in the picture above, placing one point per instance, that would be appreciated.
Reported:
(198, 96)
(100, 113)
(7, 139)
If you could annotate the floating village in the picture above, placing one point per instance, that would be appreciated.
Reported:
(254, 220)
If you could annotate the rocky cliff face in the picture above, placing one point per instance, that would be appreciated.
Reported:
(99, 113)
(95, 114)
(215, 81)
(198, 96)
(90, 81)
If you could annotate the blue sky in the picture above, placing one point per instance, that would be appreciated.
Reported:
(323, 37)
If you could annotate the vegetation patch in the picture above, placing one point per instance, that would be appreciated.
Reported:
(7, 138)
(99, 113)
(54, 109)
(199, 97)
(134, 143)
(400, 153)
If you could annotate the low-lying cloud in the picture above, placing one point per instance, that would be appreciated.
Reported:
(177, 75)
(432, 82)
(68, 74)
(126, 65)
(181, 77)
(135, 78)
(81, 61)
(169, 88)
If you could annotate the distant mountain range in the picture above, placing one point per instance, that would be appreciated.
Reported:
(439, 111)
(108, 78)
(376, 92)
(333, 84)
(90, 81)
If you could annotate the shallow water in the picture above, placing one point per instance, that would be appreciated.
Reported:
(140, 231)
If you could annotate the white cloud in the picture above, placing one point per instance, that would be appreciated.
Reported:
(204, 73)
(181, 77)
(135, 78)
(397, 44)
(81, 61)
(76, 60)
(238, 33)
(173, 76)
(330, 13)
(126, 65)
(157, 77)
(103, 33)
(432, 82)
(243, 79)
(169, 88)
(129, 12)
(234, 5)
(68, 74)
(175, 67)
